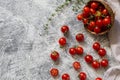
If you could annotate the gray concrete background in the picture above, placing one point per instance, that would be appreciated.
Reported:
(25, 45)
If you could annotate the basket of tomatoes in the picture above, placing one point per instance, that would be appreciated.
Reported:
(97, 17)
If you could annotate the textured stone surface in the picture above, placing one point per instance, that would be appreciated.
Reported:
(25, 46)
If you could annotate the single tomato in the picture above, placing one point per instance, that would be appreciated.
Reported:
(106, 21)
(86, 10)
(97, 30)
(98, 78)
(95, 64)
(64, 29)
(99, 23)
(65, 76)
(79, 50)
(72, 51)
(82, 76)
(54, 72)
(102, 52)
(62, 41)
(76, 65)
(88, 58)
(104, 63)
(94, 5)
(80, 37)
(54, 55)
(96, 46)
(79, 16)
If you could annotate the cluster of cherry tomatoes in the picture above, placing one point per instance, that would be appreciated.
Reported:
(78, 50)
(95, 17)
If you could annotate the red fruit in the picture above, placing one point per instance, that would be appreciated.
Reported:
(86, 10)
(79, 50)
(64, 29)
(98, 78)
(82, 76)
(95, 64)
(99, 23)
(65, 76)
(92, 11)
(94, 5)
(85, 21)
(105, 12)
(106, 21)
(79, 16)
(104, 63)
(96, 46)
(102, 52)
(97, 30)
(54, 72)
(79, 37)
(85, 15)
(54, 55)
(91, 28)
(88, 58)
(72, 51)
(76, 65)
(92, 24)
(62, 41)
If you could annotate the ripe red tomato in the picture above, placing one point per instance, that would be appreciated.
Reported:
(86, 10)
(106, 21)
(76, 65)
(64, 29)
(92, 24)
(104, 63)
(79, 50)
(88, 58)
(54, 72)
(65, 76)
(97, 30)
(72, 51)
(95, 64)
(102, 52)
(92, 11)
(54, 55)
(79, 16)
(85, 15)
(98, 78)
(79, 37)
(85, 21)
(62, 41)
(105, 12)
(82, 76)
(96, 46)
(94, 5)
(99, 23)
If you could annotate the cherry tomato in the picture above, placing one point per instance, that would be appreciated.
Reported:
(94, 5)
(105, 12)
(92, 24)
(88, 58)
(79, 16)
(91, 28)
(79, 50)
(102, 52)
(85, 21)
(82, 76)
(85, 15)
(106, 21)
(76, 65)
(99, 23)
(98, 78)
(54, 55)
(54, 72)
(86, 10)
(104, 63)
(92, 11)
(65, 76)
(97, 30)
(64, 29)
(79, 37)
(62, 41)
(95, 64)
(72, 51)
(96, 46)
